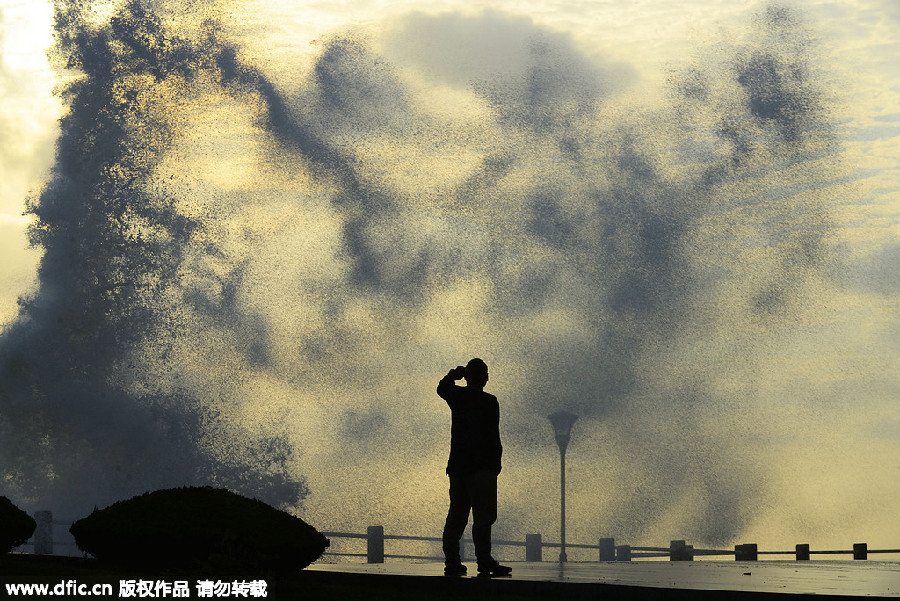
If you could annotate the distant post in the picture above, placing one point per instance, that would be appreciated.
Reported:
(623, 553)
(43, 533)
(746, 552)
(860, 551)
(375, 544)
(607, 549)
(803, 552)
(533, 548)
(679, 551)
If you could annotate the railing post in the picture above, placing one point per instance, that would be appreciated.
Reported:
(375, 544)
(623, 553)
(679, 551)
(803, 552)
(746, 552)
(533, 548)
(860, 551)
(607, 549)
(43, 533)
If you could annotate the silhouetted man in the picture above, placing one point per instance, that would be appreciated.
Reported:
(473, 467)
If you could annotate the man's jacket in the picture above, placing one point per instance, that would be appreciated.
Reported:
(475, 430)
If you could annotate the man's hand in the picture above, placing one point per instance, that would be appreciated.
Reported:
(457, 373)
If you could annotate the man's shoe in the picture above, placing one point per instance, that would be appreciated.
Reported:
(494, 570)
(455, 569)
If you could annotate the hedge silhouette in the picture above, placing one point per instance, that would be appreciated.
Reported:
(199, 528)
(16, 526)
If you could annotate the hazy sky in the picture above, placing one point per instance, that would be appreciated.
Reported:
(858, 37)
(679, 219)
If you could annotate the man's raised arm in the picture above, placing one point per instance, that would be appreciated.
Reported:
(447, 386)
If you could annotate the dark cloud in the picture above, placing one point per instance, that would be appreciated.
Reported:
(354, 89)
(878, 272)
(75, 433)
(887, 429)
(531, 75)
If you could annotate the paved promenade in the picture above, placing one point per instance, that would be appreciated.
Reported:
(760, 579)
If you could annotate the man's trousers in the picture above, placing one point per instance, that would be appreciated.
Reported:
(478, 492)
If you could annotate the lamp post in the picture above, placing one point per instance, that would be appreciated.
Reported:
(562, 425)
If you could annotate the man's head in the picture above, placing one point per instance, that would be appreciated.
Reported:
(476, 373)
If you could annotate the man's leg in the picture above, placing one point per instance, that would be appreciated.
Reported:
(483, 487)
(484, 514)
(457, 518)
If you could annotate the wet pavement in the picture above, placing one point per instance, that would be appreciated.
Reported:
(847, 578)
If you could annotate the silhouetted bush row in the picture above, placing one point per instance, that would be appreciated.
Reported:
(199, 528)
(16, 526)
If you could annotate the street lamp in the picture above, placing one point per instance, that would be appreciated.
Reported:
(562, 425)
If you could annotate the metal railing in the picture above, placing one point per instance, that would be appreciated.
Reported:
(607, 550)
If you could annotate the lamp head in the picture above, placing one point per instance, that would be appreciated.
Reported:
(562, 426)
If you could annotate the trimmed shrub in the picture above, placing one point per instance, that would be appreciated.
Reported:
(199, 528)
(16, 526)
